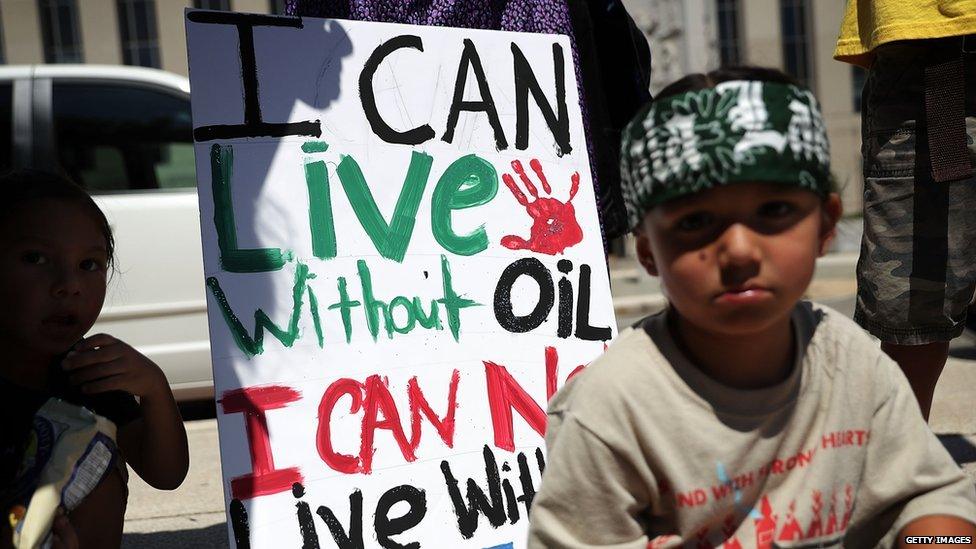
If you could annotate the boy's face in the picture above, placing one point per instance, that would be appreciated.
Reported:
(734, 260)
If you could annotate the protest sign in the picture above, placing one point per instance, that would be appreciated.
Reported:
(403, 263)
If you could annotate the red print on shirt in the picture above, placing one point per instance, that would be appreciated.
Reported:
(765, 525)
(791, 528)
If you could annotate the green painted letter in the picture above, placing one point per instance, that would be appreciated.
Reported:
(320, 210)
(391, 239)
(233, 259)
(468, 182)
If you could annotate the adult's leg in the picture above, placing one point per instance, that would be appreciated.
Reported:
(917, 268)
(922, 365)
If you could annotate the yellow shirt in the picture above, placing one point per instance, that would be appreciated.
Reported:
(869, 23)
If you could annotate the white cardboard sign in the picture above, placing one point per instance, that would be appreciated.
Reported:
(403, 262)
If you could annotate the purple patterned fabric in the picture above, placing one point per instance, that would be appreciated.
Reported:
(541, 16)
(545, 16)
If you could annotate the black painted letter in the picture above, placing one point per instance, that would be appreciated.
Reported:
(386, 526)
(525, 82)
(355, 538)
(583, 328)
(310, 539)
(504, 313)
(494, 510)
(469, 57)
(383, 130)
(254, 125)
(238, 522)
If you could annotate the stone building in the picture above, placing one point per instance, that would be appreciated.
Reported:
(796, 36)
(685, 35)
(113, 32)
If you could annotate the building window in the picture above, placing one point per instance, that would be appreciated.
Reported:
(137, 28)
(276, 7)
(796, 56)
(59, 29)
(219, 5)
(728, 32)
(858, 76)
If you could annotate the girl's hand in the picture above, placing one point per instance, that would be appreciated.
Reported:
(102, 363)
(63, 535)
(154, 444)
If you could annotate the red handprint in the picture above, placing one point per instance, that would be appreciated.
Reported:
(554, 225)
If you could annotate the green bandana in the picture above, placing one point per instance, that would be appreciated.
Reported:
(738, 131)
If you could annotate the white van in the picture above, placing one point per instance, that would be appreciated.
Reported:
(124, 133)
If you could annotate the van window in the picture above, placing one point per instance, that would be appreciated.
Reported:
(6, 125)
(118, 137)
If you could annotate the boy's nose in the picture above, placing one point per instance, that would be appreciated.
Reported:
(738, 253)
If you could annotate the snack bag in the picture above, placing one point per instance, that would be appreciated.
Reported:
(74, 450)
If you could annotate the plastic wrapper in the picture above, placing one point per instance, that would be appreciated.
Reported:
(80, 451)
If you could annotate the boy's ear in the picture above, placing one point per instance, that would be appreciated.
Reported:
(644, 255)
(830, 211)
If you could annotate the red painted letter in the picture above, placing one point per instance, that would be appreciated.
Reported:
(418, 404)
(323, 437)
(253, 402)
(378, 399)
(504, 393)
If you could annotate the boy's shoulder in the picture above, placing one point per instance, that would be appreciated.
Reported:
(838, 346)
(629, 367)
(636, 365)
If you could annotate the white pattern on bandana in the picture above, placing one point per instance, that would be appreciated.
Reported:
(749, 115)
(806, 133)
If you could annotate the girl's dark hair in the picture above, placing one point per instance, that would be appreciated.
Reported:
(20, 186)
(699, 81)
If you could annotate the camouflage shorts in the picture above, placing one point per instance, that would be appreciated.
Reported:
(917, 271)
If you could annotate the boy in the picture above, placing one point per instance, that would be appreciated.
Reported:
(740, 416)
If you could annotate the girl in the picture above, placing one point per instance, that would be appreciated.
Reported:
(56, 248)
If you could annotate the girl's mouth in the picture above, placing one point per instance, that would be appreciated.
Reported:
(61, 321)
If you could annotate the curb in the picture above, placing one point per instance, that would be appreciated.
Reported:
(633, 305)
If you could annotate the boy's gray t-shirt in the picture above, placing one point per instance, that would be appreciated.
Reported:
(645, 450)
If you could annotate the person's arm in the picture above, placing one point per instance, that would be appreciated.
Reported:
(97, 521)
(63, 535)
(589, 497)
(154, 444)
(910, 483)
(936, 525)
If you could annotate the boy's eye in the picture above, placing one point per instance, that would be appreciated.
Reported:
(776, 209)
(34, 258)
(694, 222)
